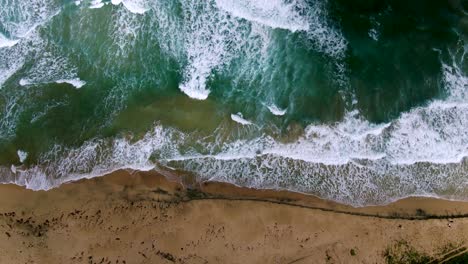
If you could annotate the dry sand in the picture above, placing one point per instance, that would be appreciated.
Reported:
(145, 217)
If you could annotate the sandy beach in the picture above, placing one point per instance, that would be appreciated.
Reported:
(166, 217)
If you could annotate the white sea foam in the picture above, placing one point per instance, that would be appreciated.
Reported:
(134, 6)
(94, 4)
(7, 43)
(24, 82)
(272, 13)
(22, 155)
(194, 88)
(240, 119)
(276, 110)
(77, 82)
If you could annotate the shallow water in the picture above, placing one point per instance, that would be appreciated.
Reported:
(362, 102)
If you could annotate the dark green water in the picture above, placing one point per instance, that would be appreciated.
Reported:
(361, 101)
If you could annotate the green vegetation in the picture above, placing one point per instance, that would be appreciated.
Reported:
(403, 253)
(194, 194)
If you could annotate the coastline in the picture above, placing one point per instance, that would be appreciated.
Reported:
(232, 191)
(167, 217)
(412, 207)
(305, 131)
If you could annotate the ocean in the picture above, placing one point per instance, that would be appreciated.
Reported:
(362, 102)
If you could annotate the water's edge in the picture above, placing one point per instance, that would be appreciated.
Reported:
(190, 181)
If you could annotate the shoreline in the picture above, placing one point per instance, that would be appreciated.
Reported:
(168, 217)
(410, 207)
(179, 177)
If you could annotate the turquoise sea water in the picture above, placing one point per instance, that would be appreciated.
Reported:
(362, 102)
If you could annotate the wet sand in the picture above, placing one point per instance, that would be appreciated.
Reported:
(167, 217)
